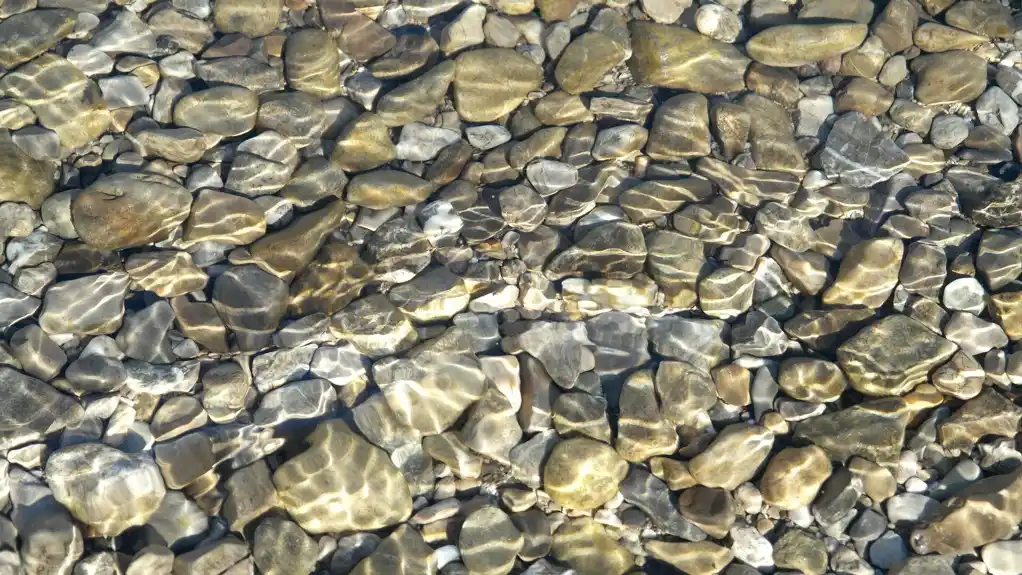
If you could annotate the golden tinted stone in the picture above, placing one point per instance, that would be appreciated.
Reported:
(734, 456)
(583, 473)
(491, 82)
(794, 476)
(366, 492)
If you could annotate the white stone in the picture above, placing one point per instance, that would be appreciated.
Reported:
(446, 554)
(751, 548)
(420, 143)
(1003, 557)
(718, 22)
(965, 294)
(813, 111)
(339, 364)
(974, 335)
(503, 298)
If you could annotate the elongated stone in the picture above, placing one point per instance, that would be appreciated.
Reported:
(792, 45)
(682, 59)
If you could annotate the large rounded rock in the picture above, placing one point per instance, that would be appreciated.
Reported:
(949, 78)
(682, 59)
(583, 473)
(24, 36)
(129, 210)
(105, 488)
(342, 483)
(793, 45)
(492, 82)
(223, 110)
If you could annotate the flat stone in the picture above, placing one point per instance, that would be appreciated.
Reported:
(126, 33)
(799, 550)
(209, 221)
(868, 274)
(747, 187)
(681, 129)
(281, 547)
(89, 305)
(679, 58)
(35, 408)
(27, 35)
(1006, 309)
(586, 546)
(858, 153)
(416, 99)
(312, 64)
(477, 98)
(615, 249)
(651, 495)
(327, 497)
(489, 541)
(213, 556)
(750, 547)
(585, 61)
(75, 111)
(990, 20)
(383, 189)
(989, 413)
(892, 356)
(404, 552)
(356, 34)
(813, 380)
(251, 303)
(364, 144)
(253, 19)
(642, 432)
(873, 429)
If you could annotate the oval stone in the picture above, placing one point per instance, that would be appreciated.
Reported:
(793, 45)
(129, 210)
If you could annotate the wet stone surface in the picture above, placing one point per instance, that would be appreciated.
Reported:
(510, 288)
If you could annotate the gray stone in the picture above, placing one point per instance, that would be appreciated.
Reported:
(858, 153)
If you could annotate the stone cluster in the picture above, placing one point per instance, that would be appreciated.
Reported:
(530, 287)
